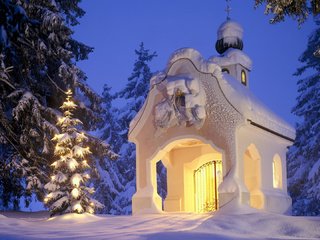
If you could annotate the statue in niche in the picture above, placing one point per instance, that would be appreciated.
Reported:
(183, 104)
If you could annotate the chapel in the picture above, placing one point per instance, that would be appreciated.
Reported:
(218, 142)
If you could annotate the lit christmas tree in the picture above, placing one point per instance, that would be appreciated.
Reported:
(67, 192)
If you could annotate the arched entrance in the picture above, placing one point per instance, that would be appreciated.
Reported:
(252, 176)
(194, 172)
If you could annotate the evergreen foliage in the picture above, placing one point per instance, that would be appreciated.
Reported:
(37, 63)
(137, 87)
(107, 179)
(304, 155)
(67, 190)
(134, 94)
(297, 9)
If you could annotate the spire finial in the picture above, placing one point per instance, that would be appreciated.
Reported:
(228, 9)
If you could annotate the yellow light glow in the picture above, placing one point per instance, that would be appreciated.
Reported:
(252, 176)
(75, 193)
(206, 186)
(77, 207)
(277, 172)
(243, 78)
(72, 164)
(61, 120)
(90, 210)
(53, 178)
(81, 152)
(46, 199)
(81, 137)
(76, 179)
(92, 204)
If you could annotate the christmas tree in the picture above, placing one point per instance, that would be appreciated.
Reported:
(67, 190)
(38, 56)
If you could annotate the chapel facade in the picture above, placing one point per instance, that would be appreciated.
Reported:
(218, 142)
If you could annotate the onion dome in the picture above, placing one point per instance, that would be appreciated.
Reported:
(229, 36)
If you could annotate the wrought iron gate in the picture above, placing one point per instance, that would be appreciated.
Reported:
(206, 181)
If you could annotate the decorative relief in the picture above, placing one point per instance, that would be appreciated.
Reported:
(183, 103)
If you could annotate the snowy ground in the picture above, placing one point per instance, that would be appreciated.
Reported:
(220, 225)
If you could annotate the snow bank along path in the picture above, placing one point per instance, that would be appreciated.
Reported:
(220, 225)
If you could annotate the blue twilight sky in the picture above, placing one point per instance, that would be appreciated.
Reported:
(116, 27)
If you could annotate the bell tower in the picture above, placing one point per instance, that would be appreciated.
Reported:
(229, 45)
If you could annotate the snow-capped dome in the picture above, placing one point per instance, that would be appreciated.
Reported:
(230, 28)
(229, 36)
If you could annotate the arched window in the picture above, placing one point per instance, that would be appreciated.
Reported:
(252, 176)
(225, 70)
(243, 78)
(277, 171)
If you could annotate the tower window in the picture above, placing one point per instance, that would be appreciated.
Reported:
(225, 70)
(243, 78)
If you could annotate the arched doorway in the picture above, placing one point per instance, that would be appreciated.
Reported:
(252, 176)
(194, 172)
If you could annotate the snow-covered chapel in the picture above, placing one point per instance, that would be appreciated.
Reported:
(218, 142)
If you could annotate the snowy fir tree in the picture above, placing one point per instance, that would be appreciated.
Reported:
(134, 95)
(304, 155)
(67, 190)
(107, 178)
(296, 9)
(112, 127)
(38, 58)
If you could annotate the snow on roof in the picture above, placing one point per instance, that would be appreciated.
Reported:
(230, 29)
(232, 56)
(252, 108)
(201, 64)
(239, 96)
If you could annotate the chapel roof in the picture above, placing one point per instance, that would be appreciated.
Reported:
(241, 98)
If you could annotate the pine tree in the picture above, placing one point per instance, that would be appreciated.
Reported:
(37, 63)
(296, 9)
(67, 188)
(136, 90)
(304, 155)
(134, 94)
(111, 129)
(108, 180)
